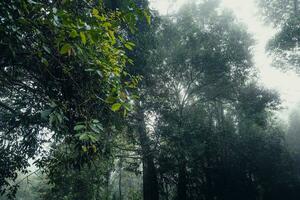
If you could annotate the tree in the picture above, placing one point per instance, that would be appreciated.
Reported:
(293, 138)
(284, 47)
(63, 77)
(278, 11)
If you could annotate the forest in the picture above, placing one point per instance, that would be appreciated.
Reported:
(113, 100)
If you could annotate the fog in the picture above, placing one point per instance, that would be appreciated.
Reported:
(284, 81)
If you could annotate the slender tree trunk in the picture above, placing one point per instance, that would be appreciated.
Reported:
(120, 178)
(167, 191)
(182, 182)
(182, 174)
(150, 182)
(107, 185)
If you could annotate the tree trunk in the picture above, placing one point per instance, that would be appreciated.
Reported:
(150, 185)
(150, 182)
(120, 178)
(182, 182)
(107, 191)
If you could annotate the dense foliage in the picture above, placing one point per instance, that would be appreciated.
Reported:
(63, 72)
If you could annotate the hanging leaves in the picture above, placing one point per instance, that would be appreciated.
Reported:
(66, 48)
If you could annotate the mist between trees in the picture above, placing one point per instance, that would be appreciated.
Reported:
(109, 100)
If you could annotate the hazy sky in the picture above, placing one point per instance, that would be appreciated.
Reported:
(288, 84)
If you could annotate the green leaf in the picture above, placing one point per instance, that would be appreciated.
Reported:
(106, 24)
(84, 149)
(112, 36)
(79, 127)
(110, 99)
(95, 121)
(95, 128)
(115, 107)
(127, 106)
(92, 138)
(83, 38)
(99, 126)
(95, 12)
(73, 33)
(65, 48)
(45, 62)
(88, 136)
(89, 70)
(131, 44)
(84, 137)
(59, 117)
(99, 73)
(47, 49)
(94, 148)
(128, 46)
(100, 17)
(148, 17)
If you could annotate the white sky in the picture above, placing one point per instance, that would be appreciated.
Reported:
(288, 84)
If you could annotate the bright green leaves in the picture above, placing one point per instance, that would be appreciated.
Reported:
(65, 49)
(95, 12)
(73, 33)
(126, 107)
(112, 37)
(96, 40)
(147, 16)
(83, 38)
(129, 45)
(98, 45)
(116, 106)
(121, 102)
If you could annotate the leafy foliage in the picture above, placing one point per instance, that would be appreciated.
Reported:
(63, 65)
(284, 47)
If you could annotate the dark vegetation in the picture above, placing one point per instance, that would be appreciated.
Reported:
(106, 99)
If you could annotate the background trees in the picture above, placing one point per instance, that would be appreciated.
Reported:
(284, 47)
(212, 139)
